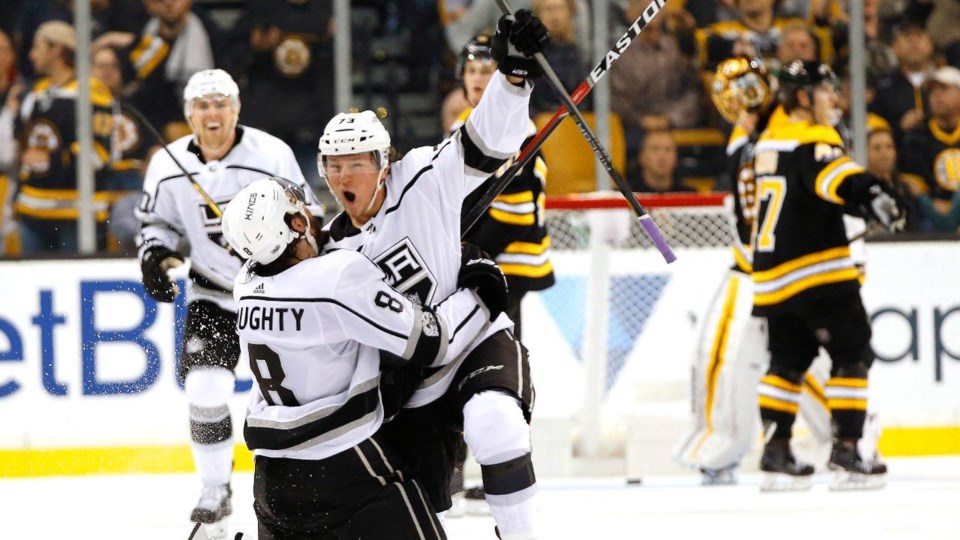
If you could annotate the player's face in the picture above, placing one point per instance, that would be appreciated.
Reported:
(826, 104)
(353, 181)
(214, 120)
(476, 76)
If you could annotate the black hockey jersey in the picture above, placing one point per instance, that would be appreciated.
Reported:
(47, 121)
(512, 230)
(931, 159)
(804, 182)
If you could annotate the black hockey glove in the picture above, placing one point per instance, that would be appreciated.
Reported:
(154, 267)
(886, 207)
(518, 38)
(480, 273)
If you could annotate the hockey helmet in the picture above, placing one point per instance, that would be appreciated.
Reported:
(800, 75)
(479, 49)
(740, 83)
(255, 221)
(354, 133)
(210, 82)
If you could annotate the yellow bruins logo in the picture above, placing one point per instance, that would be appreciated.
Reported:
(292, 56)
(128, 133)
(946, 169)
(747, 191)
(44, 135)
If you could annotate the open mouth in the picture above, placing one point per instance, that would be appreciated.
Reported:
(349, 196)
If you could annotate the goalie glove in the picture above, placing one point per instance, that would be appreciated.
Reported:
(518, 38)
(156, 261)
(480, 273)
(886, 207)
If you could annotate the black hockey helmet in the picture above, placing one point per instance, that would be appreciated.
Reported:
(478, 48)
(799, 75)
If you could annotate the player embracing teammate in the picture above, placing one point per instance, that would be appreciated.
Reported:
(405, 216)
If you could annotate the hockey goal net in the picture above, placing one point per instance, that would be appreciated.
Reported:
(611, 341)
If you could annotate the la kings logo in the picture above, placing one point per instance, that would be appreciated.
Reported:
(406, 272)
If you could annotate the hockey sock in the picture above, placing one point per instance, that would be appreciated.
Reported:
(211, 429)
(499, 437)
(779, 401)
(847, 397)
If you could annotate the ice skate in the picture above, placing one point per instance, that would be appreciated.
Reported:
(782, 470)
(852, 472)
(727, 476)
(212, 510)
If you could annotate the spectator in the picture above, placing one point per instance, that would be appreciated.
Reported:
(654, 86)
(47, 205)
(797, 43)
(106, 16)
(131, 147)
(658, 164)
(10, 91)
(901, 99)
(286, 50)
(882, 163)
(881, 60)
(932, 152)
(562, 53)
(481, 16)
(757, 32)
(172, 46)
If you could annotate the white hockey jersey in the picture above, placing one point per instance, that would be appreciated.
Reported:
(415, 237)
(312, 336)
(171, 209)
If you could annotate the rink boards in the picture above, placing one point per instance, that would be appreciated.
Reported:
(88, 361)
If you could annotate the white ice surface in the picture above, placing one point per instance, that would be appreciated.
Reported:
(920, 501)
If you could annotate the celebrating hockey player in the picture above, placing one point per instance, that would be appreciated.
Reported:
(732, 354)
(511, 231)
(222, 157)
(314, 329)
(406, 217)
(805, 281)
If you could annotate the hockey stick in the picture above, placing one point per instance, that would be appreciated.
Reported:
(156, 135)
(643, 218)
(597, 73)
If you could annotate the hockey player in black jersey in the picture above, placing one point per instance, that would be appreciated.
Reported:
(406, 217)
(805, 281)
(314, 330)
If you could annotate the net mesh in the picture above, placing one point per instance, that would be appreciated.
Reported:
(687, 221)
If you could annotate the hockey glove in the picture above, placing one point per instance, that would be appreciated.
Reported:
(886, 207)
(480, 273)
(518, 38)
(156, 261)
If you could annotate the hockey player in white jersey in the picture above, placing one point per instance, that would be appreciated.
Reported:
(405, 216)
(222, 157)
(314, 330)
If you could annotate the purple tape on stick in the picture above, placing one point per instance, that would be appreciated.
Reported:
(657, 237)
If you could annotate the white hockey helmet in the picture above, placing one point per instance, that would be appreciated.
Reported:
(354, 133)
(254, 222)
(210, 82)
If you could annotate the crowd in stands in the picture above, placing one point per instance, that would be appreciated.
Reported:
(404, 51)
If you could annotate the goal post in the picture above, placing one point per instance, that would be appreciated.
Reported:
(613, 338)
